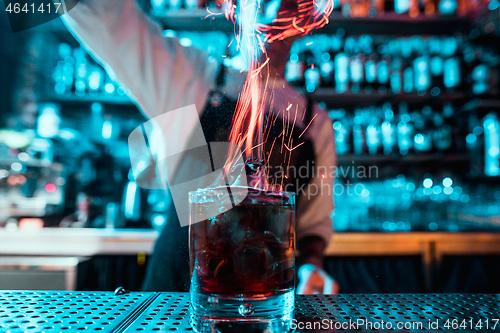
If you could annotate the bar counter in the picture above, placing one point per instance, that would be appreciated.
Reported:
(53, 311)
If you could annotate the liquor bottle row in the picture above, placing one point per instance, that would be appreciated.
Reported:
(377, 130)
(414, 8)
(378, 64)
(76, 73)
(159, 6)
(483, 144)
(356, 8)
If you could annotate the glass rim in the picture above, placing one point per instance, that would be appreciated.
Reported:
(212, 189)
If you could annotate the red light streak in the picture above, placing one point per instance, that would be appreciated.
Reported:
(294, 18)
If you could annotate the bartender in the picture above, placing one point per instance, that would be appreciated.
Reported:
(161, 76)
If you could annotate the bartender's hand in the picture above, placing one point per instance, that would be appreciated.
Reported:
(313, 278)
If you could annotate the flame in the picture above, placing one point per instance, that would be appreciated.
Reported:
(295, 17)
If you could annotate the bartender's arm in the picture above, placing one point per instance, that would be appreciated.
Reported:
(314, 223)
(158, 72)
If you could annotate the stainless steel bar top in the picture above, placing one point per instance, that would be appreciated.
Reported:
(53, 311)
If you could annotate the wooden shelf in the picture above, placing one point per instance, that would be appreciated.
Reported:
(89, 98)
(193, 20)
(349, 99)
(411, 159)
(482, 104)
(396, 24)
(385, 24)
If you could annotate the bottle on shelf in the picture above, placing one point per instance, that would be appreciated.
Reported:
(405, 130)
(389, 134)
(422, 141)
(312, 76)
(295, 66)
(342, 136)
(327, 69)
(356, 72)
(491, 145)
(383, 70)
(442, 136)
(341, 72)
(373, 140)
(358, 134)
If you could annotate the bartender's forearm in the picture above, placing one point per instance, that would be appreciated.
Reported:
(311, 250)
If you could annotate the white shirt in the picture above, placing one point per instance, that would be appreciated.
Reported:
(161, 76)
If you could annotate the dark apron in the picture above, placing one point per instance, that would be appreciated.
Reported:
(168, 267)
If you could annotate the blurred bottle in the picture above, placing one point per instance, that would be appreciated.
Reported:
(421, 73)
(295, 67)
(414, 10)
(356, 72)
(383, 70)
(175, 4)
(389, 134)
(191, 4)
(430, 7)
(447, 7)
(405, 130)
(373, 140)
(422, 141)
(452, 73)
(402, 6)
(491, 145)
(158, 6)
(377, 7)
(342, 137)
(49, 121)
(396, 78)
(475, 146)
(358, 134)
(442, 136)
(327, 69)
(371, 73)
(312, 76)
(341, 72)
(359, 8)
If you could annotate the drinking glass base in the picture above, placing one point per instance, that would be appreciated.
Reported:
(215, 313)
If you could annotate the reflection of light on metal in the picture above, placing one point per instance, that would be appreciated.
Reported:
(50, 188)
(48, 122)
(491, 145)
(186, 42)
(447, 182)
(410, 187)
(23, 156)
(159, 220)
(121, 91)
(107, 129)
(110, 88)
(130, 200)
(471, 139)
(437, 189)
(16, 166)
(94, 80)
(96, 107)
(30, 224)
(60, 181)
(448, 190)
